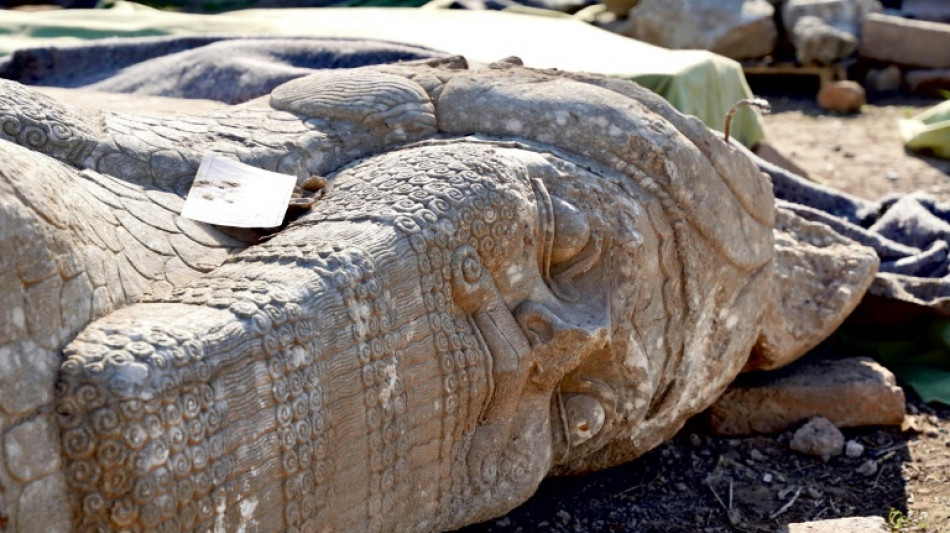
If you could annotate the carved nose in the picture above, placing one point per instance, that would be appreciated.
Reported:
(539, 323)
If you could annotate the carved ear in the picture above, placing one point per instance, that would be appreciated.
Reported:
(820, 277)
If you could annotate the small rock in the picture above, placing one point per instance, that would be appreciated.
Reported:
(681, 487)
(563, 515)
(885, 80)
(766, 478)
(813, 493)
(842, 96)
(892, 175)
(867, 468)
(695, 440)
(818, 437)
(503, 522)
(756, 455)
(853, 449)
(912, 409)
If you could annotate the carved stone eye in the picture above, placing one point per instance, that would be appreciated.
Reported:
(571, 231)
(585, 417)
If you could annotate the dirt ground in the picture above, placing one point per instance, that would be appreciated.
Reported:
(704, 483)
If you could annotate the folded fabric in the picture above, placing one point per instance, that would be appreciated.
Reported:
(696, 82)
(929, 131)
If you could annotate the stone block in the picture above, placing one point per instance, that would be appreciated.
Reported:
(31, 448)
(44, 506)
(906, 42)
(822, 278)
(739, 29)
(849, 392)
(854, 524)
(928, 82)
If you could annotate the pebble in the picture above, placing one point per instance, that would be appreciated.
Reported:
(867, 468)
(818, 437)
(563, 515)
(503, 522)
(695, 440)
(681, 487)
(314, 183)
(892, 175)
(766, 478)
(853, 449)
(756, 455)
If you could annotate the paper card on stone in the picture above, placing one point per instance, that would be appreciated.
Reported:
(229, 193)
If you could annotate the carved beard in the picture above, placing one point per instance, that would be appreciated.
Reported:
(442, 199)
(361, 375)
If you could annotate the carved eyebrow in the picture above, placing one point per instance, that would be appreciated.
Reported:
(546, 226)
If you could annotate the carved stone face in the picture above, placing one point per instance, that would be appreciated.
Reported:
(562, 271)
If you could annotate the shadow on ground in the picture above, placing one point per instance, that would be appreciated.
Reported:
(701, 482)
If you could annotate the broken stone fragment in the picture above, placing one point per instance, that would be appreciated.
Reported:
(818, 437)
(849, 392)
(740, 29)
(824, 31)
(822, 278)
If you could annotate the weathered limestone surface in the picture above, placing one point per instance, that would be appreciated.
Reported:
(740, 29)
(849, 392)
(512, 273)
(916, 43)
(821, 277)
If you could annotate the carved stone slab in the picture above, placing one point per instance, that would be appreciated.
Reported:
(512, 273)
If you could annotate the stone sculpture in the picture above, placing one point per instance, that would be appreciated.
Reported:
(512, 273)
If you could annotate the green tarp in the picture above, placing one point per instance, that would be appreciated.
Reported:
(929, 131)
(696, 82)
(917, 352)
